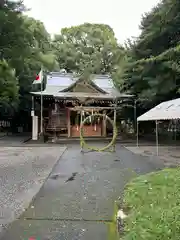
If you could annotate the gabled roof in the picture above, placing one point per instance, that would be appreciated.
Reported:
(106, 83)
(91, 82)
(164, 111)
(58, 83)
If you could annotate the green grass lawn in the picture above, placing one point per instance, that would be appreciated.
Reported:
(153, 203)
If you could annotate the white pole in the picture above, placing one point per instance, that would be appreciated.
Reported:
(32, 115)
(175, 130)
(137, 133)
(157, 142)
(135, 118)
(41, 103)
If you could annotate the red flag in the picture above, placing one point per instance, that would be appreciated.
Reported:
(39, 77)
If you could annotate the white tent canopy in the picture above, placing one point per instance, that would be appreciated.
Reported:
(169, 110)
(164, 111)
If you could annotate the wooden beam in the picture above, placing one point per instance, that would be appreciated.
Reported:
(91, 108)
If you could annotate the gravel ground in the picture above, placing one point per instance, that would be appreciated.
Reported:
(23, 170)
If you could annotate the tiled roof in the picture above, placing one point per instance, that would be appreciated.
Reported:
(58, 82)
(62, 81)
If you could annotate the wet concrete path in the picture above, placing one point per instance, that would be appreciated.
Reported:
(77, 200)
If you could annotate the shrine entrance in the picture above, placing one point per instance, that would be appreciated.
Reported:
(94, 126)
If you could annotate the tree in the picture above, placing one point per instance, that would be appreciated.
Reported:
(87, 46)
(151, 69)
(154, 57)
(8, 90)
(39, 53)
(160, 29)
(25, 46)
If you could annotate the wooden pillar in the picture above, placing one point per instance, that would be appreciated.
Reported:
(104, 124)
(68, 122)
(82, 146)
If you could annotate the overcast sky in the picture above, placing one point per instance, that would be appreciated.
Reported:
(122, 15)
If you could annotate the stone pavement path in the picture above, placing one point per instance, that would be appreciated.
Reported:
(23, 171)
(76, 202)
(169, 156)
(13, 140)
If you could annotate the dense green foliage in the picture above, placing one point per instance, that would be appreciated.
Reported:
(25, 46)
(152, 71)
(147, 67)
(8, 89)
(91, 47)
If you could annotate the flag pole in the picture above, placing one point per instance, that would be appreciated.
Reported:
(41, 102)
